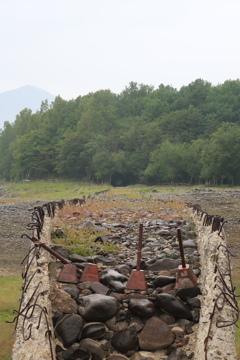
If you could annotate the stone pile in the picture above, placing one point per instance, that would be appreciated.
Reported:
(107, 320)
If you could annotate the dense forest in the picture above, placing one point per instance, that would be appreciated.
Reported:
(142, 135)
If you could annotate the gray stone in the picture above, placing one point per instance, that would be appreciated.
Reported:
(114, 280)
(188, 251)
(69, 328)
(177, 354)
(142, 307)
(125, 341)
(156, 335)
(97, 307)
(156, 355)
(74, 352)
(114, 275)
(78, 258)
(91, 227)
(95, 348)
(105, 260)
(72, 291)
(124, 269)
(186, 325)
(99, 288)
(173, 306)
(194, 303)
(168, 319)
(136, 356)
(136, 324)
(162, 280)
(112, 324)
(188, 293)
(190, 244)
(93, 330)
(164, 232)
(164, 264)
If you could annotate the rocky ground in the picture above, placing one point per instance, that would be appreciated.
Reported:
(163, 249)
(15, 215)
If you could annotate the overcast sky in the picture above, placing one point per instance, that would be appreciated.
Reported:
(73, 47)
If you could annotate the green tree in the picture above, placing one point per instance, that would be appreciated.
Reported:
(166, 164)
(222, 155)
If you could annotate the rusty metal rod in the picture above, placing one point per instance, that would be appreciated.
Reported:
(181, 247)
(139, 246)
(54, 253)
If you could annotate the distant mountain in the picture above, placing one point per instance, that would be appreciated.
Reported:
(14, 101)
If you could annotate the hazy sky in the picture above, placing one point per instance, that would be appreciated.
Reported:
(73, 47)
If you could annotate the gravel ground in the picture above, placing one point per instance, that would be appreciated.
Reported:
(14, 218)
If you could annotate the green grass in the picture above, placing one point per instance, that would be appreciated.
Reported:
(51, 190)
(60, 189)
(10, 292)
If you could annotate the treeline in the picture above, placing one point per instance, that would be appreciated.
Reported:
(142, 135)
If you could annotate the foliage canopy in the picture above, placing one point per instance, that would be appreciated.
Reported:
(142, 135)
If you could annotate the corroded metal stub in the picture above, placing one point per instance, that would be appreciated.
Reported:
(90, 273)
(185, 277)
(68, 274)
(136, 280)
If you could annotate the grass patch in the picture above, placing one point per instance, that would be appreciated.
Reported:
(10, 292)
(237, 333)
(51, 190)
(81, 241)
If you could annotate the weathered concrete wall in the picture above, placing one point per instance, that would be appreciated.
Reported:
(213, 342)
(34, 327)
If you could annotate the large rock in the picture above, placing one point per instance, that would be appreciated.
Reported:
(164, 264)
(114, 325)
(136, 324)
(63, 301)
(99, 288)
(74, 352)
(91, 227)
(156, 335)
(97, 307)
(114, 280)
(188, 293)
(190, 244)
(173, 306)
(95, 348)
(125, 341)
(69, 328)
(162, 280)
(78, 258)
(142, 307)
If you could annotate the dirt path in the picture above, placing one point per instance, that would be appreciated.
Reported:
(15, 215)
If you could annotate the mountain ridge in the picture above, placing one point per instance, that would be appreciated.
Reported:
(14, 101)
